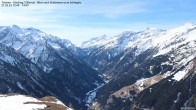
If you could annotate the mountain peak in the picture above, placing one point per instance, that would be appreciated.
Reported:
(147, 29)
(189, 24)
(127, 32)
(24, 31)
(150, 28)
(15, 28)
(33, 29)
(99, 38)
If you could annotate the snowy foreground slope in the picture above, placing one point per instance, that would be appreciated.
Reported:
(22, 102)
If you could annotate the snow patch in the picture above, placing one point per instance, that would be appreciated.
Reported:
(7, 58)
(178, 76)
(140, 82)
(17, 102)
(20, 86)
(181, 74)
(178, 97)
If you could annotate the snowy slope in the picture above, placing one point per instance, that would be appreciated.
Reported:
(17, 101)
(175, 37)
(12, 102)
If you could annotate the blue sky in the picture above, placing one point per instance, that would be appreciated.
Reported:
(96, 18)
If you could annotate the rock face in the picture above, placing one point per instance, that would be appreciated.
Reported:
(33, 62)
(152, 69)
(20, 75)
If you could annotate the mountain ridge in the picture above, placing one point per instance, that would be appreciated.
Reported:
(56, 59)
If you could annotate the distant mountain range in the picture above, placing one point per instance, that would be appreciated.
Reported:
(148, 69)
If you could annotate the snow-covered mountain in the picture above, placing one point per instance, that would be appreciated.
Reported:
(56, 58)
(154, 61)
(33, 43)
(122, 41)
(106, 51)
(22, 37)
(149, 37)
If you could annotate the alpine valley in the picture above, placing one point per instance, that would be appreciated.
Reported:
(150, 69)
